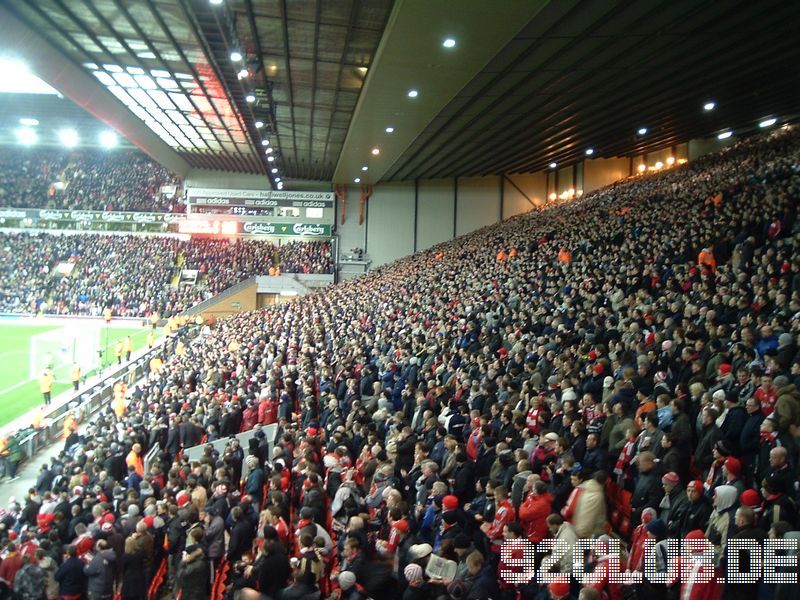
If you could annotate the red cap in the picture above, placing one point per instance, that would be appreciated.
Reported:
(734, 465)
(84, 479)
(696, 484)
(558, 589)
(148, 521)
(750, 498)
(312, 431)
(109, 517)
(724, 369)
(401, 525)
(450, 502)
(598, 369)
(12, 535)
(592, 355)
(671, 478)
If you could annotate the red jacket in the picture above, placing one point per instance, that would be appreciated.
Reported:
(533, 513)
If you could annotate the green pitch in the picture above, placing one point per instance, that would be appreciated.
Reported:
(19, 393)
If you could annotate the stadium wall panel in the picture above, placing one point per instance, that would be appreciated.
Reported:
(477, 203)
(517, 187)
(604, 171)
(390, 228)
(435, 212)
(227, 180)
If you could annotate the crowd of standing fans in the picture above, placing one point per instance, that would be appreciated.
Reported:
(517, 382)
(133, 274)
(121, 180)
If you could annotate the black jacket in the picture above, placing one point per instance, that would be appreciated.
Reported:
(647, 493)
(70, 577)
(695, 516)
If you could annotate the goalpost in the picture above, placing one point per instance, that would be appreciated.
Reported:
(59, 349)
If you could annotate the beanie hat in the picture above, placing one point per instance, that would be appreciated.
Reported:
(347, 579)
(413, 572)
(148, 521)
(418, 551)
(461, 541)
(558, 589)
(724, 369)
(734, 466)
(657, 528)
(695, 485)
(751, 498)
(450, 502)
(781, 381)
(671, 478)
(598, 369)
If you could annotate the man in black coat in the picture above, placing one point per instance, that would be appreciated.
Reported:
(595, 458)
(648, 490)
(697, 511)
(242, 534)
(746, 530)
(732, 426)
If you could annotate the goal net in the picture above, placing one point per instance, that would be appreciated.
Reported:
(59, 349)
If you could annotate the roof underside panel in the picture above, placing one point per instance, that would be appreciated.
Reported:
(591, 73)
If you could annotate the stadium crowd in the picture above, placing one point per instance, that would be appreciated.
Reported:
(119, 180)
(133, 274)
(640, 343)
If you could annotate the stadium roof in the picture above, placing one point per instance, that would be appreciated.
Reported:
(520, 84)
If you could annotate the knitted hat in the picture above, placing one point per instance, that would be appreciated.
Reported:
(671, 478)
(418, 551)
(657, 528)
(750, 498)
(461, 541)
(413, 572)
(695, 485)
(598, 369)
(734, 466)
(450, 502)
(558, 589)
(724, 369)
(182, 499)
(347, 579)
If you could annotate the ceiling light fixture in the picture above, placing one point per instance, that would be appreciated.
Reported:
(765, 123)
(553, 165)
(259, 124)
(265, 142)
(268, 150)
(215, 2)
(670, 160)
(68, 137)
(589, 151)
(389, 130)
(642, 131)
(250, 98)
(449, 43)
(108, 139)
(711, 105)
(725, 135)
(277, 180)
(376, 151)
(641, 168)
(243, 73)
(413, 93)
(365, 168)
(26, 136)
(357, 180)
(280, 185)
(274, 170)
(28, 122)
(270, 158)
(236, 56)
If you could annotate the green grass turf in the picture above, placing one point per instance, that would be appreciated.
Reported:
(18, 394)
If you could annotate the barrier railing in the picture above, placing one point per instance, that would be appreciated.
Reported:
(201, 306)
(92, 399)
